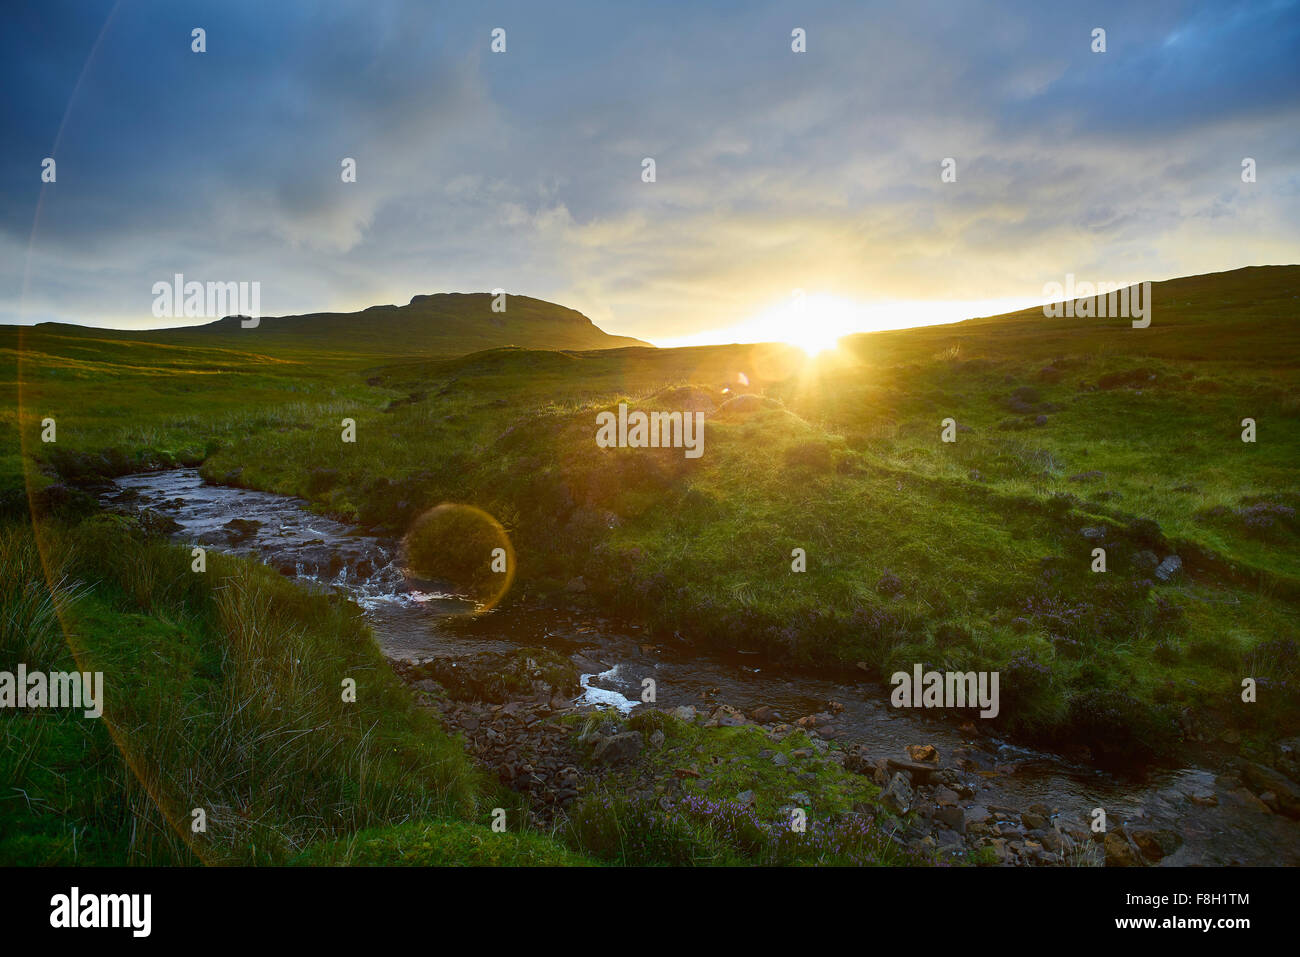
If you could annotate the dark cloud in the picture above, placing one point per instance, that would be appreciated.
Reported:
(522, 170)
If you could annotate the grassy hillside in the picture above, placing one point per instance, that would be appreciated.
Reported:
(444, 324)
(1073, 434)
(219, 689)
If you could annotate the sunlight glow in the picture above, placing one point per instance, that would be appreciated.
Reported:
(816, 321)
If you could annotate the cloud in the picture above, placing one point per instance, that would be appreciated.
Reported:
(522, 170)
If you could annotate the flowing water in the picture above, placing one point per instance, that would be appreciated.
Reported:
(416, 619)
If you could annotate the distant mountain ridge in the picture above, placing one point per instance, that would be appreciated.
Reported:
(435, 324)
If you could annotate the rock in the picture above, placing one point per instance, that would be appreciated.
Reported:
(1251, 800)
(618, 748)
(684, 712)
(1264, 780)
(576, 586)
(763, 714)
(657, 739)
(1146, 560)
(1055, 842)
(922, 752)
(780, 759)
(950, 839)
(977, 815)
(1093, 533)
(882, 773)
(953, 817)
(241, 529)
(898, 795)
(920, 772)
(725, 716)
(1119, 852)
(745, 798)
(1168, 568)
(1032, 821)
(945, 797)
(1156, 844)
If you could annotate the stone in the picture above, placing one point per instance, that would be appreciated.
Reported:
(657, 739)
(951, 839)
(1264, 780)
(618, 748)
(1032, 821)
(1168, 568)
(898, 796)
(780, 759)
(977, 815)
(953, 817)
(922, 752)
(919, 772)
(945, 797)
(1119, 853)
(745, 798)
(1055, 842)
(725, 716)
(1155, 844)
(684, 712)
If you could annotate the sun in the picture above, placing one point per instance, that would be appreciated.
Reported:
(814, 323)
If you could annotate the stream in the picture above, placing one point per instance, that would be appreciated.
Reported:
(1218, 823)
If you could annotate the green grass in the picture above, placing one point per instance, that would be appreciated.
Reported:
(965, 555)
(706, 823)
(222, 693)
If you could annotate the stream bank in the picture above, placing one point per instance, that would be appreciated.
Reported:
(968, 793)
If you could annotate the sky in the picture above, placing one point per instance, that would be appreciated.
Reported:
(796, 194)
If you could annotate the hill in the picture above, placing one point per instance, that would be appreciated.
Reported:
(1070, 435)
(445, 324)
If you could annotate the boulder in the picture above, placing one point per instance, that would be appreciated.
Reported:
(918, 771)
(1119, 852)
(618, 748)
(922, 752)
(1156, 844)
(898, 795)
(1264, 780)
(1168, 568)
(953, 817)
